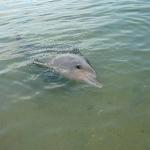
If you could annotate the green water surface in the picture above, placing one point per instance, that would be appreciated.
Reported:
(40, 113)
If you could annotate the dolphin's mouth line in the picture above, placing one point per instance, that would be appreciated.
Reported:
(93, 81)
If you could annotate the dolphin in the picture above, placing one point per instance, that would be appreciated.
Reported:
(74, 67)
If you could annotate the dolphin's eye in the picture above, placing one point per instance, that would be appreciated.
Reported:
(78, 66)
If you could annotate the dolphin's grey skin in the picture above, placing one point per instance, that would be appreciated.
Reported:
(74, 67)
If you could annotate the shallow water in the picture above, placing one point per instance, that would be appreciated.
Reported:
(39, 111)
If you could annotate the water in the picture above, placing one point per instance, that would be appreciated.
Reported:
(38, 112)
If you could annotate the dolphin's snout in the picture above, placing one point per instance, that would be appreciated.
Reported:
(91, 79)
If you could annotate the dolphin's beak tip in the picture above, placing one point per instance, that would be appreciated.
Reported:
(94, 82)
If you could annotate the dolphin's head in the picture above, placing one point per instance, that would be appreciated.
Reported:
(77, 68)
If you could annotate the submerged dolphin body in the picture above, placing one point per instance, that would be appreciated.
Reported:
(74, 67)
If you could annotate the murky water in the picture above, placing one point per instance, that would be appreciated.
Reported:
(41, 112)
